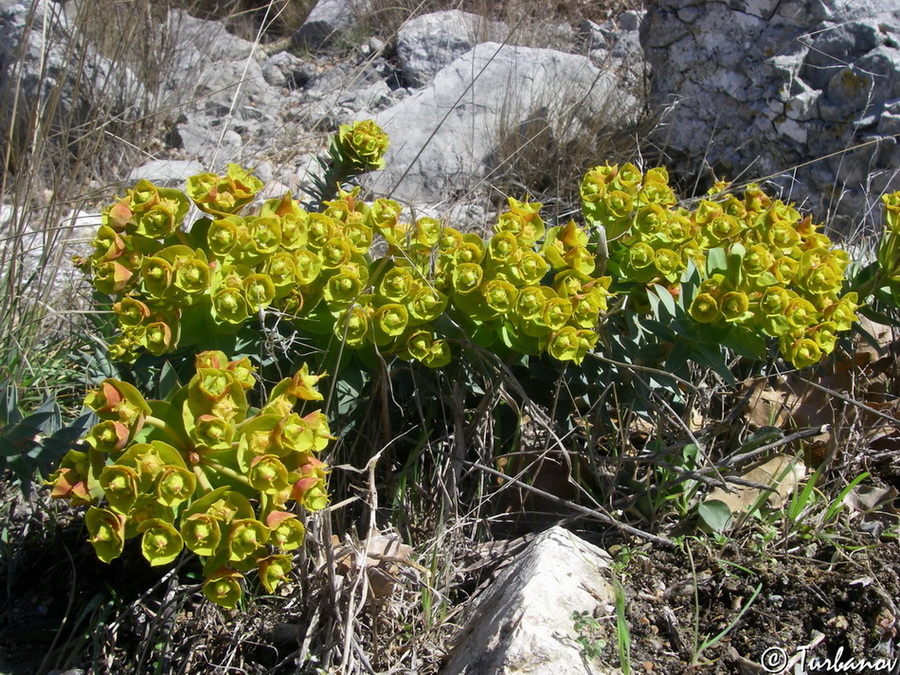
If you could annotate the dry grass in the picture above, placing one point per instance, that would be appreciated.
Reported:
(531, 17)
(86, 125)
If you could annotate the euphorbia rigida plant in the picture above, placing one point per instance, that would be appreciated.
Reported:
(202, 471)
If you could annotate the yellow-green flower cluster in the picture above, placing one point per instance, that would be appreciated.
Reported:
(765, 267)
(538, 290)
(181, 473)
(154, 269)
(361, 145)
(888, 254)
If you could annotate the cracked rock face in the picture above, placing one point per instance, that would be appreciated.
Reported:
(796, 89)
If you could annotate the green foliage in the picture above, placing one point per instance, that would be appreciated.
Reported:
(739, 269)
(589, 632)
(180, 473)
(887, 274)
(175, 288)
(35, 442)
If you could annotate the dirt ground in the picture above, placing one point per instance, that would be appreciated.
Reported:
(830, 598)
(64, 609)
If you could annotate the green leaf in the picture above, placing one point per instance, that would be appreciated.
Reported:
(746, 343)
(678, 357)
(711, 356)
(661, 296)
(838, 503)
(168, 379)
(701, 333)
(716, 261)
(48, 417)
(659, 330)
(691, 275)
(17, 436)
(9, 400)
(799, 500)
(715, 514)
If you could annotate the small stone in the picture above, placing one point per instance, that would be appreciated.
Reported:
(793, 130)
(630, 20)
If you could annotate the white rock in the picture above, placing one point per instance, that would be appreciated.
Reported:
(166, 172)
(803, 105)
(792, 129)
(427, 43)
(522, 623)
(442, 135)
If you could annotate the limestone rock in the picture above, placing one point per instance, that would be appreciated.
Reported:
(335, 95)
(759, 88)
(226, 97)
(58, 78)
(328, 19)
(206, 41)
(286, 70)
(427, 43)
(522, 623)
(443, 135)
(167, 173)
(198, 137)
(615, 46)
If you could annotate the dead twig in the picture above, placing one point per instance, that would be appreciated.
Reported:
(601, 515)
(734, 460)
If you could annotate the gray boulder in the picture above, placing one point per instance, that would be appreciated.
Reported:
(442, 137)
(198, 136)
(335, 95)
(201, 40)
(615, 46)
(225, 94)
(286, 70)
(166, 172)
(427, 43)
(214, 70)
(791, 90)
(327, 20)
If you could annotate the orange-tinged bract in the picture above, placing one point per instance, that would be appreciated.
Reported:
(231, 268)
(234, 267)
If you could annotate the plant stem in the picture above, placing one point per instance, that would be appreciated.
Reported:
(170, 431)
(224, 470)
(202, 478)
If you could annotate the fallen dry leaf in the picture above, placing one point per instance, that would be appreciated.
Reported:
(781, 472)
(865, 377)
(385, 557)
